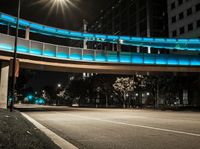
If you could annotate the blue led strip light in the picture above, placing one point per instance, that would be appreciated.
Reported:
(105, 57)
(161, 43)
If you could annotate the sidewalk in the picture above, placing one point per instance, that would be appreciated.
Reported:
(18, 133)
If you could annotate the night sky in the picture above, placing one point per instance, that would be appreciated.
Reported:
(71, 19)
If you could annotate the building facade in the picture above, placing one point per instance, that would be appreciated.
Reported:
(144, 18)
(184, 18)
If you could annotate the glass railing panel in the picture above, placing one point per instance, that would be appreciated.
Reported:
(100, 56)
(75, 54)
(125, 57)
(173, 60)
(112, 57)
(6, 42)
(161, 59)
(195, 61)
(36, 48)
(149, 59)
(23, 46)
(49, 50)
(88, 55)
(184, 60)
(137, 58)
(63, 52)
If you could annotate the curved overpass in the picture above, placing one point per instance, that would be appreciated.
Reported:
(45, 56)
(161, 43)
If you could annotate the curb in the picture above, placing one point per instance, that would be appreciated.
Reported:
(62, 143)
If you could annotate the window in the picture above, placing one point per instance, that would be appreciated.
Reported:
(198, 23)
(174, 33)
(173, 19)
(173, 5)
(181, 15)
(190, 27)
(182, 30)
(180, 2)
(189, 11)
(198, 7)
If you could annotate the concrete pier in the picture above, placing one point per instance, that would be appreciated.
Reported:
(4, 76)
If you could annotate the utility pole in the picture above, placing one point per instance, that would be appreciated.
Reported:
(13, 80)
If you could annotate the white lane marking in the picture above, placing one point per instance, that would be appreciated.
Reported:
(135, 125)
(62, 143)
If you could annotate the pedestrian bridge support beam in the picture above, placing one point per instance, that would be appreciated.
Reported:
(4, 76)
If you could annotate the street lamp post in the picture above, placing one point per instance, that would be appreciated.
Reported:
(13, 81)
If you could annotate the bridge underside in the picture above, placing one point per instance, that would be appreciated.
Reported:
(48, 64)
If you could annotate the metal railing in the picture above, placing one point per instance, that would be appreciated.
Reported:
(36, 48)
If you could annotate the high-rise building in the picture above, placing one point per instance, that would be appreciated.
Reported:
(184, 18)
(144, 18)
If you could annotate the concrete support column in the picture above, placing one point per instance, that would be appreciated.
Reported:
(148, 23)
(27, 36)
(137, 23)
(4, 76)
(85, 31)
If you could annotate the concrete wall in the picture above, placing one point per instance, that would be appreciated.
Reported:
(4, 76)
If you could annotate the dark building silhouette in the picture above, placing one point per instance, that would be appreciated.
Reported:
(144, 18)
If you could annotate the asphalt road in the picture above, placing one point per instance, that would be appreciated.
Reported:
(123, 129)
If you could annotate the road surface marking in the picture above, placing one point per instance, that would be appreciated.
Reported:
(135, 125)
(62, 143)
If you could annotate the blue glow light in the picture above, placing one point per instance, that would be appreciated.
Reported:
(149, 59)
(8, 18)
(161, 60)
(49, 53)
(184, 61)
(24, 23)
(137, 59)
(148, 39)
(62, 32)
(87, 35)
(6, 47)
(125, 38)
(100, 36)
(112, 37)
(30, 97)
(50, 29)
(100, 58)
(125, 57)
(75, 56)
(88, 57)
(22, 49)
(36, 51)
(75, 34)
(173, 40)
(36, 26)
(112, 57)
(62, 55)
(172, 60)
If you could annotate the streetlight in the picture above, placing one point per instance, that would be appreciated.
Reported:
(13, 80)
(59, 85)
(60, 3)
